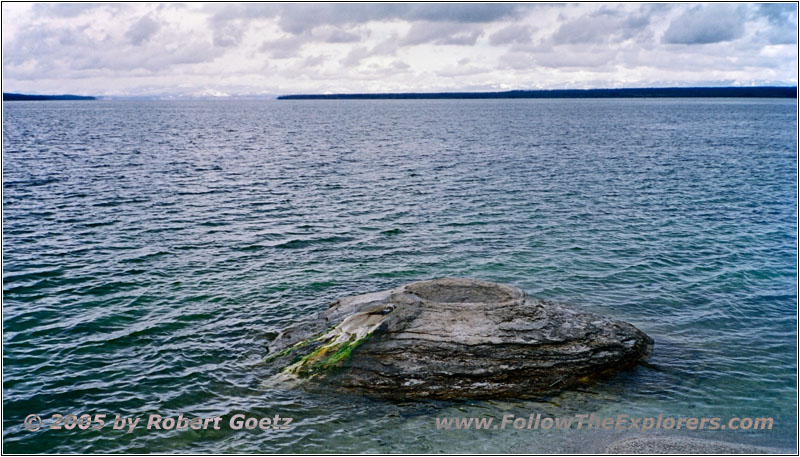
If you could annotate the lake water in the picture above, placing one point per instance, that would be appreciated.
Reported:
(152, 248)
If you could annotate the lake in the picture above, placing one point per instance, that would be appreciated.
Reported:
(153, 248)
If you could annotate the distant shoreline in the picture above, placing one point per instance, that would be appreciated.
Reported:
(664, 92)
(9, 97)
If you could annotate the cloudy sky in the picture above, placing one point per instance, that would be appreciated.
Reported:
(252, 49)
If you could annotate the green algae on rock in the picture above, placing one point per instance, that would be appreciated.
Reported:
(453, 338)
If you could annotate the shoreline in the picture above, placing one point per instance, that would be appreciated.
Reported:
(651, 92)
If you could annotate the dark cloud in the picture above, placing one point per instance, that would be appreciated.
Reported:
(224, 12)
(601, 26)
(400, 65)
(518, 34)
(584, 29)
(340, 36)
(444, 33)
(465, 12)
(387, 47)
(229, 21)
(634, 23)
(142, 30)
(300, 18)
(461, 39)
(355, 56)
(782, 18)
(291, 45)
(313, 61)
(388, 70)
(706, 24)
(778, 13)
(783, 35)
(284, 48)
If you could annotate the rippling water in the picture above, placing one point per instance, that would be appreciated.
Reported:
(152, 248)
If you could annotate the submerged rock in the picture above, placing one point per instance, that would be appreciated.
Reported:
(685, 445)
(453, 338)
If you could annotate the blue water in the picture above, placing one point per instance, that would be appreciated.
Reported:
(151, 249)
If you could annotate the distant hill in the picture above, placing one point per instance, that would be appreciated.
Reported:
(663, 92)
(19, 97)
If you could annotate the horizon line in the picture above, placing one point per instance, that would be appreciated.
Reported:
(767, 91)
(680, 91)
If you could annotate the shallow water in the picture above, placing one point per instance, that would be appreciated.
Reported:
(151, 248)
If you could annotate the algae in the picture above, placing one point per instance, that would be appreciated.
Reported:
(326, 357)
(318, 337)
(338, 344)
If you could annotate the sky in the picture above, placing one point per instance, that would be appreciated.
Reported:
(220, 49)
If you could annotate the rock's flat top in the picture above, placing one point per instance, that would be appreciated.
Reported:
(454, 338)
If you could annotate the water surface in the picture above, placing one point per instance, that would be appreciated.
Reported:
(152, 248)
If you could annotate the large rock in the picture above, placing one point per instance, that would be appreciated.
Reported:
(453, 338)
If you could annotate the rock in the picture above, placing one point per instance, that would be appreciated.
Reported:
(684, 445)
(453, 338)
